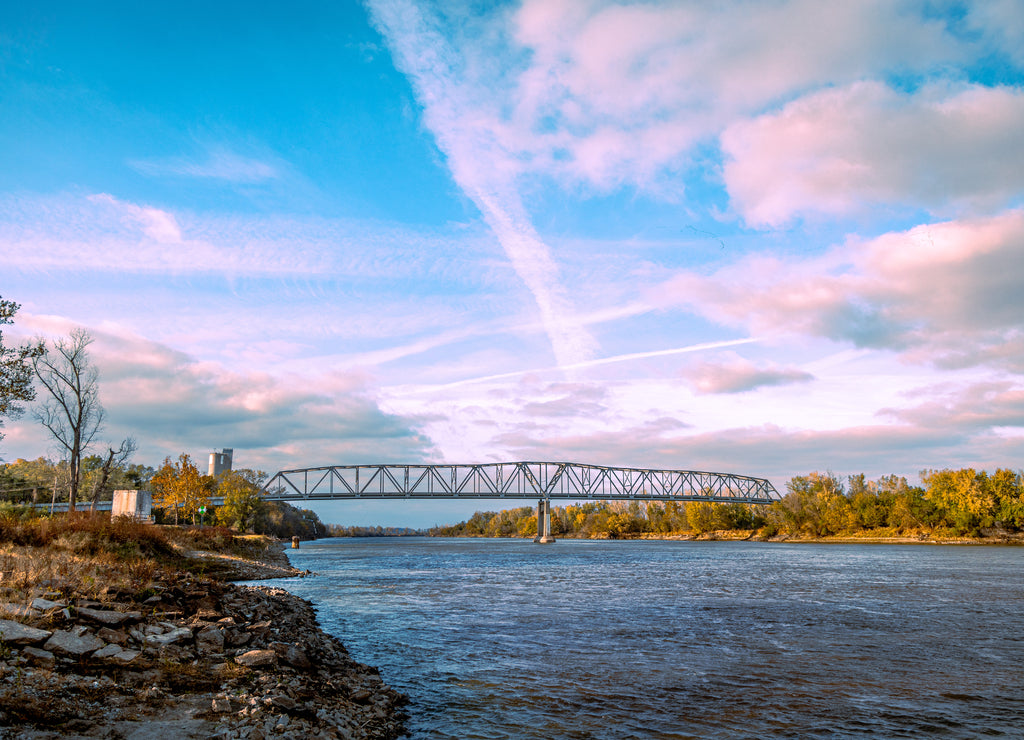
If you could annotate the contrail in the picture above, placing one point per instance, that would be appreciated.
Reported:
(464, 128)
(601, 361)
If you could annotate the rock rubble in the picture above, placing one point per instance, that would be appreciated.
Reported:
(190, 658)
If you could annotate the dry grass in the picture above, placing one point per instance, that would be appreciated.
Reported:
(91, 554)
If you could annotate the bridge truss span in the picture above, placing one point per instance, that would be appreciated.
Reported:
(516, 480)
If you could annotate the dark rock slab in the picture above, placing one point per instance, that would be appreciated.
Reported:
(15, 633)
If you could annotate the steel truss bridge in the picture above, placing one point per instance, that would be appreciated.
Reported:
(515, 480)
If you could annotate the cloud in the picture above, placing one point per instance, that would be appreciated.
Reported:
(101, 232)
(104, 233)
(778, 453)
(171, 402)
(599, 96)
(620, 94)
(482, 167)
(219, 164)
(948, 292)
(735, 374)
(1002, 26)
(567, 401)
(158, 225)
(977, 407)
(848, 150)
(615, 359)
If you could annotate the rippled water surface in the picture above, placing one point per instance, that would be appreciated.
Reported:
(647, 639)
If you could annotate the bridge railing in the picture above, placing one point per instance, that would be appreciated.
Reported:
(516, 480)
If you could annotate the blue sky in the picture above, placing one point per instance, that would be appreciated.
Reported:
(754, 237)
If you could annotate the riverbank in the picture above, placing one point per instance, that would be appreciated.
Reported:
(169, 647)
(746, 535)
(866, 538)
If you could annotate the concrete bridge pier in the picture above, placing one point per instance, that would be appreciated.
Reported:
(544, 522)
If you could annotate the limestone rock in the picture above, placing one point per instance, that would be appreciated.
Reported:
(45, 605)
(18, 611)
(106, 651)
(223, 705)
(115, 654)
(283, 702)
(210, 640)
(293, 655)
(72, 645)
(15, 633)
(178, 634)
(118, 637)
(256, 658)
(109, 618)
(36, 656)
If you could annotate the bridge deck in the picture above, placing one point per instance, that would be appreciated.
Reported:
(516, 480)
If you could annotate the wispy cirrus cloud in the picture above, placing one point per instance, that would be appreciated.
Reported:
(102, 232)
(483, 167)
(159, 225)
(217, 164)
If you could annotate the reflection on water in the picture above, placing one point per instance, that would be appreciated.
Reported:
(645, 639)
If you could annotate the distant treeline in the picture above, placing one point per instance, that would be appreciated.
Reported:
(337, 530)
(948, 503)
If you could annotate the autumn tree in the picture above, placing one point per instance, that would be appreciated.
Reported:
(814, 505)
(72, 412)
(1008, 488)
(15, 369)
(964, 497)
(243, 508)
(181, 488)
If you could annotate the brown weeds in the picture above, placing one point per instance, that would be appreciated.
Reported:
(90, 554)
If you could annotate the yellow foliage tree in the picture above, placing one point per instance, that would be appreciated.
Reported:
(243, 507)
(180, 487)
(965, 496)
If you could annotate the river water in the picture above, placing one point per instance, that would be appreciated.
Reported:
(651, 639)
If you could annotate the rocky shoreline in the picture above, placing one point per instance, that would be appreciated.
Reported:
(191, 657)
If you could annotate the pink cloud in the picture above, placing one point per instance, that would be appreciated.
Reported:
(944, 292)
(843, 151)
(734, 374)
(171, 402)
(624, 91)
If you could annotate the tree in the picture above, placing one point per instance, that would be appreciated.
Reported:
(1008, 487)
(15, 369)
(964, 497)
(181, 487)
(700, 515)
(115, 459)
(72, 413)
(815, 505)
(243, 507)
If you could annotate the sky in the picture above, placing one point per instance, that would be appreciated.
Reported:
(759, 237)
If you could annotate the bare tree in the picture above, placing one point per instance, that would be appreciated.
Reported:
(115, 459)
(72, 412)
